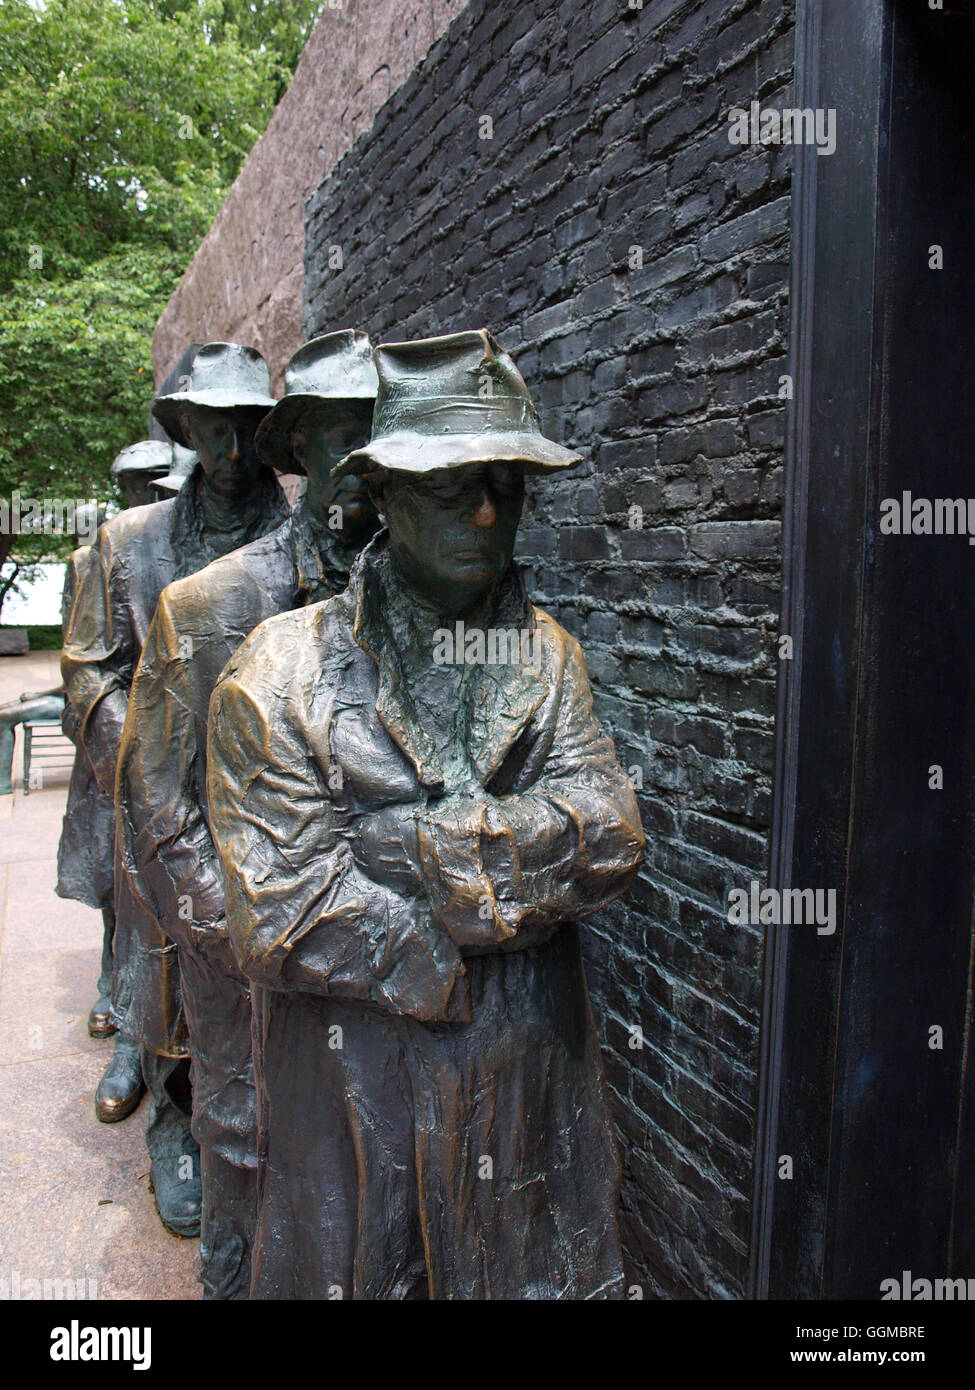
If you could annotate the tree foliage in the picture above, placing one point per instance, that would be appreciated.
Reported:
(122, 125)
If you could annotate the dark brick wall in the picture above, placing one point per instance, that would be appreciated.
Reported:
(610, 132)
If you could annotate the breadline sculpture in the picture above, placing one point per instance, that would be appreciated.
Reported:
(230, 499)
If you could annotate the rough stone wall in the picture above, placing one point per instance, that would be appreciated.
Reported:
(245, 282)
(610, 132)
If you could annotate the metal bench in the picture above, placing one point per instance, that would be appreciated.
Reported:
(46, 746)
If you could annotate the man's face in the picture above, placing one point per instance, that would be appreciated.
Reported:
(224, 441)
(321, 438)
(136, 488)
(452, 532)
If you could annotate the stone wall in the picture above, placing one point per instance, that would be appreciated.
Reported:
(245, 282)
(635, 262)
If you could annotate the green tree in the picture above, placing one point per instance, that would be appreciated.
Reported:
(122, 125)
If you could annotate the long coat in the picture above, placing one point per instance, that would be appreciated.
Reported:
(165, 845)
(138, 553)
(86, 850)
(432, 1110)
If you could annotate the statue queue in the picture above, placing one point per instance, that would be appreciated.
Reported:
(341, 876)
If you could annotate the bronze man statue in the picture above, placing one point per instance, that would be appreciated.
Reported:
(86, 861)
(184, 461)
(33, 704)
(414, 804)
(330, 386)
(86, 850)
(230, 499)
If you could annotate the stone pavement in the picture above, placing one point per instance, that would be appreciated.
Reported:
(74, 1194)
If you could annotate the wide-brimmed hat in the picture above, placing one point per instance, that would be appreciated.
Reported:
(338, 368)
(224, 376)
(446, 402)
(148, 456)
(182, 465)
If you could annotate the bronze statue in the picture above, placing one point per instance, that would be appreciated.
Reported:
(165, 843)
(184, 461)
(86, 857)
(229, 499)
(414, 804)
(40, 704)
(86, 849)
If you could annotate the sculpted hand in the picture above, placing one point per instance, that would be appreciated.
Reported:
(387, 849)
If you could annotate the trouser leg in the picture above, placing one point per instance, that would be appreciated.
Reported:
(108, 933)
(227, 1227)
(6, 754)
(100, 1021)
(168, 1130)
(173, 1152)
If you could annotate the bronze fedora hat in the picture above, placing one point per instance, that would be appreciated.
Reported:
(182, 465)
(337, 368)
(224, 376)
(148, 456)
(446, 402)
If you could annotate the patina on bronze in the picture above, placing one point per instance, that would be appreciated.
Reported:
(86, 870)
(408, 842)
(230, 499)
(85, 865)
(138, 468)
(43, 704)
(184, 461)
(165, 843)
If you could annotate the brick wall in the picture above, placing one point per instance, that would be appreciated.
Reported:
(244, 284)
(610, 132)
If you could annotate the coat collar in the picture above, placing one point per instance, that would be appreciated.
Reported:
(501, 701)
(195, 545)
(322, 564)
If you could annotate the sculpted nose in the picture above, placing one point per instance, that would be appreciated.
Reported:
(485, 516)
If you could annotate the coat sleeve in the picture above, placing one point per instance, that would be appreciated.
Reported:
(164, 839)
(98, 660)
(302, 914)
(506, 870)
(75, 567)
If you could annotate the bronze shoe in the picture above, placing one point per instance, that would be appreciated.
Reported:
(179, 1199)
(121, 1087)
(100, 1023)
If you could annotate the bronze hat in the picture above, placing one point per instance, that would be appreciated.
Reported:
(224, 376)
(335, 367)
(446, 402)
(148, 456)
(182, 465)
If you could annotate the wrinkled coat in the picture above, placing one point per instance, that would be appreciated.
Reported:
(432, 1110)
(86, 850)
(138, 553)
(165, 845)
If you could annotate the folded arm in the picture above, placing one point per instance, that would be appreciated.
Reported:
(506, 870)
(303, 915)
